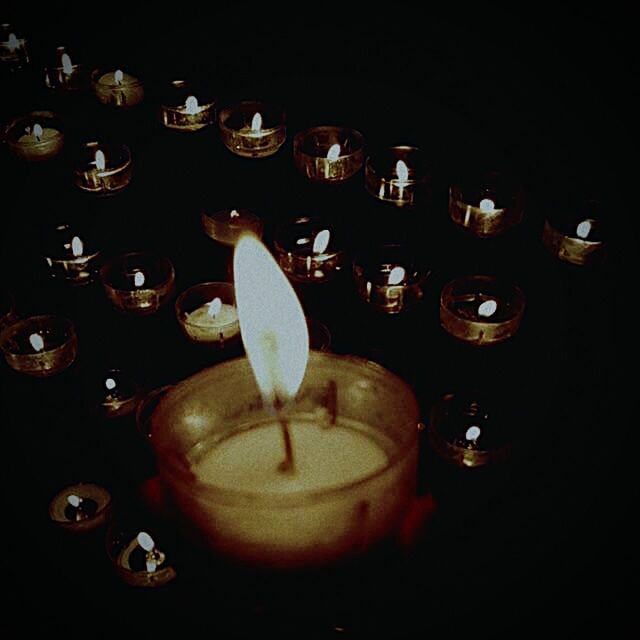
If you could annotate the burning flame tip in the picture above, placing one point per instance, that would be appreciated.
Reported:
(334, 152)
(145, 541)
(74, 500)
(256, 122)
(396, 276)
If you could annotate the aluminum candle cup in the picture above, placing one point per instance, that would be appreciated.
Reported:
(227, 225)
(36, 136)
(139, 283)
(481, 310)
(396, 175)
(390, 278)
(80, 507)
(309, 251)
(354, 432)
(207, 314)
(252, 129)
(64, 75)
(328, 154)
(486, 206)
(103, 169)
(71, 256)
(40, 345)
(182, 109)
(117, 88)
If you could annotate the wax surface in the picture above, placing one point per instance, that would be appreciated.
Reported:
(47, 134)
(202, 325)
(110, 79)
(324, 457)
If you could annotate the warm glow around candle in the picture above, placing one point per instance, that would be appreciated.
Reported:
(138, 279)
(584, 229)
(77, 247)
(67, 67)
(256, 122)
(118, 76)
(214, 307)
(74, 500)
(334, 152)
(487, 205)
(396, 276)
(37, 132)
(321, 241)
(487, 308)
(100, 160)
(191, 105)
(36, 342)
(272, 324)
(402, 171)
(146, 541)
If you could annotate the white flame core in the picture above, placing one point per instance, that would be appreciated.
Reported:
(487, 205)
(100, 160)
(110, 384)
(321, 241)
(584, 229)
(77, 247)
(234, 214)
(473, 433)
(402, 171)
(191, 105)
(214, 307)
(256, 122)
(487, 308)
(36, 341)
(138, 279)
(67, 67)
(74, 501)
(12, 41)
(334, 152)
(118, 76)
(37, 131)
(396, 276)
(146, 541)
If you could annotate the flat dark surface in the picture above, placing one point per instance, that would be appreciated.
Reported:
(543, 541)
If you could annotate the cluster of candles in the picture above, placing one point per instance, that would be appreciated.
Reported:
(223, 453)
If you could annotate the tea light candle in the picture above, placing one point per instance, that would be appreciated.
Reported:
(13, 49)
(207, 313)
(390, 278)
(308, 251)
(139, 283)
(328, 154)
(114, 394)
(579, 242)
(469, 430)
(80, 508)
(117, 88)
(40, 345)
(103, 169)
(70, 257)
(65, 75)
(183, 111)
(227, 225)
(252, 129)
(36, 136)
(395, 175)
(304, 476)
(481, 310)
(487, 205)
(137, 558)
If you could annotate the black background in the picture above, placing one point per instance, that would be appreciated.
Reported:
(542, 543)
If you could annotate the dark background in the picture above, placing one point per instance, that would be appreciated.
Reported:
(542, 542)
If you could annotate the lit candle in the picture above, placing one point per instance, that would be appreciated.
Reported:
(227, 225)
(183, 111)
(40, 346)
(70, 259)
(287, 480)
(103, 169)
(13, 50)
(328, 154)
(117, 88)
(395, 175)
(252, 129)
(481, 310)
(114, 394)
(81, 507)
(36, 136)
(64, 75)
(578, 242)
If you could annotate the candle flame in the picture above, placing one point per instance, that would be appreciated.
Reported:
(67, 67)
(396, 276)
(138, 279)
(100, 160)
(334, 152)
(272, 324)
(74, 500)
(487, 205)
(12, 41)
(37, 132)
(487, 308)
(77, 247)
(214, 307)
(36, 341)
(110, 384)
(191, 105)
(402, 171)
(584, 229)
(473, 433)
(321, 241)
(234, 214)
(118, 76)
(146, 541)
(256, 122)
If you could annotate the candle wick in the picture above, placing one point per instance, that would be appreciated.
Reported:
(288, 464)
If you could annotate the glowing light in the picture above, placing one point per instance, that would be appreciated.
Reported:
(321, 241)
(67, 67)
(256, 123)
(37, 132)
(118, 76)
(146, 541)
(487, 308)
(100, 160)
(272, 324)
(334, 152)
(234, 214)
(110, 384)
(396, 276)
(402, 171)
(584, 229)
(13, 42)
(77, 247)
(191, 105)
(214, 307)
(138, 279)
(74, 501)
(36, 342)
(473, 433)
(487, 205)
